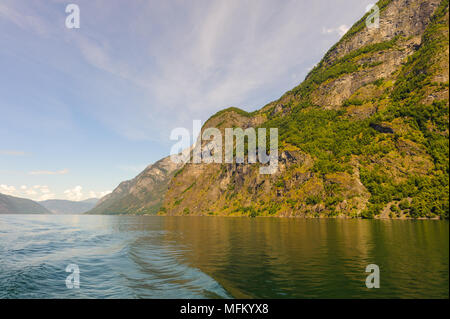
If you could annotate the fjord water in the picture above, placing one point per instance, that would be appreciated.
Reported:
(215, 257)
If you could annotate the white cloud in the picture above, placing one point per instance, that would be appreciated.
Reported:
(43, 192)
(93, 194)
(30, 192)
(74, 193)
(7, 189)
(341, 30)
(40, 192)
(36, 192)
(46, 196)
(61, 172)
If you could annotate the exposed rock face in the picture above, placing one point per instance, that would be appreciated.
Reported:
(143, 194)
(371, 67)
(406, 18)
(381, 128)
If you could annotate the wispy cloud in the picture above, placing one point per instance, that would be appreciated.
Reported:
(23, 18)
(217, 54)
(211, 55)
(12, 153)
(61, 172)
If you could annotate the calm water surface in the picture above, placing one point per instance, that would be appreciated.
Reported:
(214, 257)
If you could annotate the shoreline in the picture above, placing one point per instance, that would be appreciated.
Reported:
(437, 218)
(281, 217)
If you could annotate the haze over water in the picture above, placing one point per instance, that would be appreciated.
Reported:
(215, 257)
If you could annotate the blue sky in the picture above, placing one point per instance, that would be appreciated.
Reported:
(83, 109)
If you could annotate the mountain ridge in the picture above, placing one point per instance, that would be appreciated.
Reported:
(16, 205)
(61, 206)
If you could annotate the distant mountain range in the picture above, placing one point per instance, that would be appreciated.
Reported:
(15, 205)
(60, 206)
(142, 194)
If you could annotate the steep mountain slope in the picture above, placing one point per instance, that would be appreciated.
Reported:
(59, 206)
(16, 205)
(141, 195)
(365, 134)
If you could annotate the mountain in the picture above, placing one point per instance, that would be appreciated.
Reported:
(364, 135)
(15, 205)
(141, 195)
(59, 206)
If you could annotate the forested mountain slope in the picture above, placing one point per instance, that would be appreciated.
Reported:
(364, 135)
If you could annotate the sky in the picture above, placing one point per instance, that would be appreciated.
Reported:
(83, 109)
